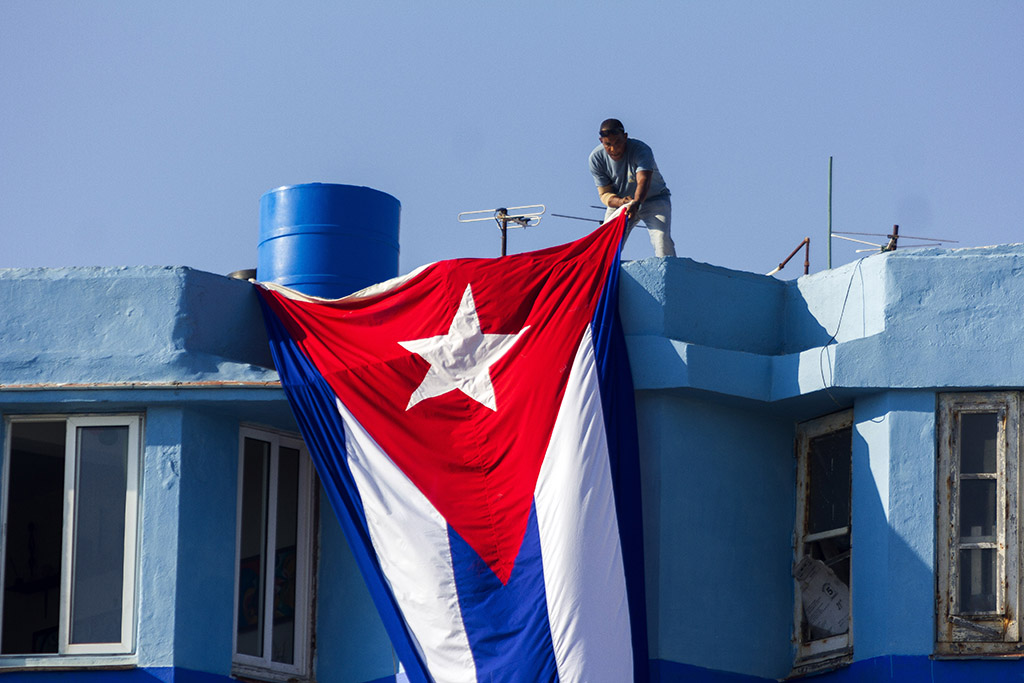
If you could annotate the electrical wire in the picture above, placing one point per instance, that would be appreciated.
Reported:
(824, 349)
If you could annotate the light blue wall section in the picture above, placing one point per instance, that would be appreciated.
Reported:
(719, 506)
(912, 477)
(893, 580)
(204, 613)
(702, 304)
(158, 537)
(925, 318)
(187, 554)
(960, 310)
(846, 303)
(129, 324)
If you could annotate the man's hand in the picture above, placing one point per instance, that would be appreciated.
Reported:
(613, 201)
(619, 201)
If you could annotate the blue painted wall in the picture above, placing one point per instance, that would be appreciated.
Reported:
(893, 568)
(749, 357)
(204, 613)
(122, 324)
(719, 506)
(159, 531)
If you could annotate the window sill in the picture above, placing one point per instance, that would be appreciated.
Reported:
(831, 662)
(978, 651)
(255, 674)
(62, 662)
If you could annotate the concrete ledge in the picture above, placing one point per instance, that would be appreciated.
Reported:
(80, 325)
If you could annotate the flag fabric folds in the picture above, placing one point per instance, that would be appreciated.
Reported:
(474, 428)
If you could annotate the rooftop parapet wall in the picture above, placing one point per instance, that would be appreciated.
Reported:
(707, 305)
(685, 300)
(907, 319)
(953, 319)
(135, 324)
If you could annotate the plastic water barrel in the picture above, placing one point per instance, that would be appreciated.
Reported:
(327, 240)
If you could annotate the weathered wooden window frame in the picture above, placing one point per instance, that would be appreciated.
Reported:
(960, 633)
(264, 667)
(83, 654)
(836, 650)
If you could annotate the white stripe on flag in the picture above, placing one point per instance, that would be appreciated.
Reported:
(411, 540)
(579, 536)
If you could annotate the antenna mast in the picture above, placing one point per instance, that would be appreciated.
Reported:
(830, 213)
(527, 217)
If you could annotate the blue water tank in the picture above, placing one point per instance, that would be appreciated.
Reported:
(327, 240)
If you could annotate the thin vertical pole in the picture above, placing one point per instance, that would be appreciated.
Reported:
(830, 213)
(501, 215)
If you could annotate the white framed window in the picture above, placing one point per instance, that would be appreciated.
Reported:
(274, 557)
(822, 547)
(977, 524)
(70, 520)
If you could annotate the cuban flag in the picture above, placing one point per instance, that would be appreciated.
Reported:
(473, 425)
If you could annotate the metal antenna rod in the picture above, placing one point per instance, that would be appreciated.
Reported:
(906, 237)
(577, 218)
(830, 213)
(893, 238)
(501, 215)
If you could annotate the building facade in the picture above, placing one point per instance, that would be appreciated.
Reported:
(830, 469)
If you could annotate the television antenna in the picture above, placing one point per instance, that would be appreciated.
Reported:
(511, 217)
(893, 239)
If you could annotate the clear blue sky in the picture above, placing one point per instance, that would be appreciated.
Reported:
(144, 133)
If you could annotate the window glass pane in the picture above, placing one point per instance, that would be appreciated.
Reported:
(98, 559)
(977, 510)
(828, 485)
(977, 580)
(978, 434)
(255, 474)
(35, 523)
(283, 649)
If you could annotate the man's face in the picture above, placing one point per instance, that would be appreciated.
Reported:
(614, 143)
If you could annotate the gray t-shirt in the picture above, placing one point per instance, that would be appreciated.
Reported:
(621, 174)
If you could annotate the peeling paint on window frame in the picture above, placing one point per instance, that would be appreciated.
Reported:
(834, 651)
(958, 633)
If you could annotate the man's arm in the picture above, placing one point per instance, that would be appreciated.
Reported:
(643, 184)
(614, 201)
(610, 199)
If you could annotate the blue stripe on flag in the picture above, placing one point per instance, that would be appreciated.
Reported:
(619, 405)
(519, 609)
(315, 408)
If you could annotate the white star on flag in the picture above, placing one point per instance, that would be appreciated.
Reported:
(462, 358)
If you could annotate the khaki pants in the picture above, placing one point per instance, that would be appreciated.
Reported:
(657, 217)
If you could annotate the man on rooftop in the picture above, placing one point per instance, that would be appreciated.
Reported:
(626, 175)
